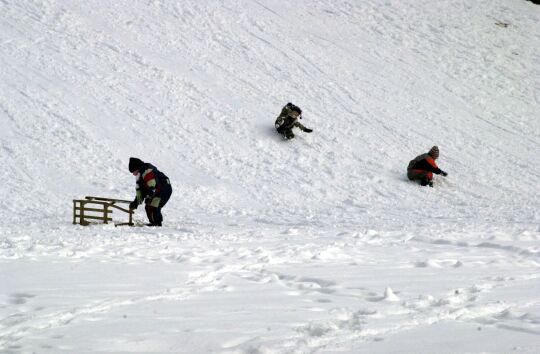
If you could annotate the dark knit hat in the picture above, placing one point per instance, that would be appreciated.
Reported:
(434, 152)
(294, 107)
(134, 164)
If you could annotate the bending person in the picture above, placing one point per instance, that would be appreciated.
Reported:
(152, 187)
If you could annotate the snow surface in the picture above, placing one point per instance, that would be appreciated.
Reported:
(316, 245)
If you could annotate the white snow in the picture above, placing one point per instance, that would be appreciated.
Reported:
(315, 245)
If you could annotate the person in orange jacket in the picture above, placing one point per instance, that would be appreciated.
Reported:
(424, 166)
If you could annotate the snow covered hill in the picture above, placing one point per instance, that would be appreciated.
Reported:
(319, 244)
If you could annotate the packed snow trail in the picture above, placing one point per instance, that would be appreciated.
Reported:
(319, 244)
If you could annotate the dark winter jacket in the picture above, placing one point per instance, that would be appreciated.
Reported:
(285, 121)
(424, 162)
(150, 183)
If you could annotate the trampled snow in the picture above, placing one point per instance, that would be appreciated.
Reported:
(315, 245)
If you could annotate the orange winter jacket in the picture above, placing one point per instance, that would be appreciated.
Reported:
(424, 162)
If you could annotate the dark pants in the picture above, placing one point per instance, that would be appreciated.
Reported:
(153, 206)
(286, 132)
(424, 177)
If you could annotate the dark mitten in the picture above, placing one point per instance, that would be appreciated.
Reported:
(133, 205)
(307, 130)
(444, 173)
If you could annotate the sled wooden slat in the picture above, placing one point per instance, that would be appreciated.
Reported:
(93, 217)
(108, 199)
(99, 208)
(119, 208)
(93, 209)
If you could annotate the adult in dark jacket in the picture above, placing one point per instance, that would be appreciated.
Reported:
(152, 187)
(288, 119)
(424, 166)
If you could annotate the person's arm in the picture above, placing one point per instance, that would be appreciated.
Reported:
(302, 127)
(138, 197)
(434, 168)
(150, 182)
(427, 164)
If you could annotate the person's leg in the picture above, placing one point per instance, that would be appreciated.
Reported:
(411, 174)
(289, 134)
(158, 218)
(165, 195)
(424, 177)
(150, 213)
(153, 209)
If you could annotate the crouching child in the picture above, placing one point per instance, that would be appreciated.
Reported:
(288, 119)
(423, 167)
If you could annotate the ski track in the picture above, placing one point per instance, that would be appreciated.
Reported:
(314, 245)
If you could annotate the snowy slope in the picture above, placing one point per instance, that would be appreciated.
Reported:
(319, 244)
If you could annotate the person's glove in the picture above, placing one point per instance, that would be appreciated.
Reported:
(444, 173)
(133, 205)
(307, 130)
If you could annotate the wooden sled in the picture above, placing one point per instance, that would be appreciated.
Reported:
(100, 209)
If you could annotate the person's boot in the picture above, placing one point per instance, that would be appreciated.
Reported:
(426, 182)
(289, 135)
